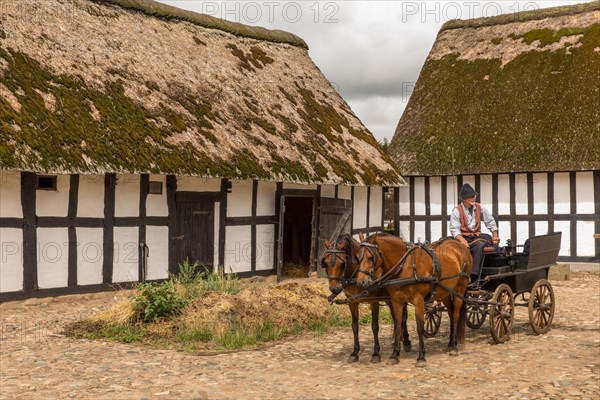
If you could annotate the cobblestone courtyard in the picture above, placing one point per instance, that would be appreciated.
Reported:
(38, 363)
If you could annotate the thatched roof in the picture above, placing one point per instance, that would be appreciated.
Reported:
(512, 93)
(94, 86)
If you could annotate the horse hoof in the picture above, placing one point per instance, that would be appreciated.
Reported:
(375, 359)
(353, 359)
(392, 361)
(421, 363)
(407, 347)
(453, 352)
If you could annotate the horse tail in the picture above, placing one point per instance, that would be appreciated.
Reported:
(462, 322)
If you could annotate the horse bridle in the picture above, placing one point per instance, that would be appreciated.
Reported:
(335, 254)
(374, 251)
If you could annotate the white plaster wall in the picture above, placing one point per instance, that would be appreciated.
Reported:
(562, 194)
(156, 204)
(360, 207)
(419, 185)
(10, 194)
(435, 195)
(90, 197)
(265, 198)
(239, 201)
(503, 194)
(53, 257)
(195, 184)
(54, 203)
(420, 231)
(540, 194)
(265, 248)
(126, 252)
(485, 191)
(11, 259)
(585, 193)
(90, 256)
(157, 239)
(586, 244)
(344, 192)
(127, 196)
(299, 186)
(521, 194)
(504, 231)
(405, 230)
(328, 191)
(522, 231)
(405, 200)
(375, 210)
(452, 191)
(565, 243)
(541, 227)
(238, 251)
(216, 233)
(436, 230)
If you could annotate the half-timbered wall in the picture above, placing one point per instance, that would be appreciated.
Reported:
(88, 232)
(524, 205)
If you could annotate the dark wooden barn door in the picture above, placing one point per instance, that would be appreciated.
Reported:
(194, 230)
(334, 220)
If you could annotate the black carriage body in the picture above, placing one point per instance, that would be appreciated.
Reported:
(521, 270)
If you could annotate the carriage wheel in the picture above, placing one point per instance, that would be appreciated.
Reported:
(502, 314)
(541, 306)
(476, 313)
(433, 319)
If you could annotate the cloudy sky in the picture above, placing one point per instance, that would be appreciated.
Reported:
(371, 51)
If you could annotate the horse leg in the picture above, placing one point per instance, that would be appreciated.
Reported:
(449, 304)
(419, 304)
(354, 312)
(405, 339)
(398, 311)
(395, 344)
(375, 358)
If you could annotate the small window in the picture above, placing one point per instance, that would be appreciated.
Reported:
(155, 188)
(46, 182)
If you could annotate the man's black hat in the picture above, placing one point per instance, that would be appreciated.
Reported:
(467, 191)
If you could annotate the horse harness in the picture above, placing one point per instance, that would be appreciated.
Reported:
(386, 280)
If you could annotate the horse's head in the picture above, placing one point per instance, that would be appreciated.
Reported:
(369, 260)
(334, 261)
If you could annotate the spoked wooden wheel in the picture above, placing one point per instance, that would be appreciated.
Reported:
(541, 306)
(476, 313)
(502, 314)
(433, 318)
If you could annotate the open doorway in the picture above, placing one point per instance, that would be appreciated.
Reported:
(297, 236)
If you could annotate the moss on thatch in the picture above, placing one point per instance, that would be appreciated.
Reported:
(537, 112)
(163, 11)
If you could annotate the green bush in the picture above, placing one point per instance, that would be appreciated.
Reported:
(158, 300)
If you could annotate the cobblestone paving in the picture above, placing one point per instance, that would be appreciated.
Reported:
(36, 363)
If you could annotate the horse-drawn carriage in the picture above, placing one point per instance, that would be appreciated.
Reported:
(509, 278)
(435, 278)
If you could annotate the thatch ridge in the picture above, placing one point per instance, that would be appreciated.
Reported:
(522, 16)
(164, 11)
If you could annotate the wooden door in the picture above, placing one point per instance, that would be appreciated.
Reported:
(194, 230)
(334, 221)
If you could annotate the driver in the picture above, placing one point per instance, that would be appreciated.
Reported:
(465, 226)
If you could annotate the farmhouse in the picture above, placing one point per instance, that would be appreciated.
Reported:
(135, 135)
(510, 104)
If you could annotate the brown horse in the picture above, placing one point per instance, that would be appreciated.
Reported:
(341, 273)
(422, 275)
